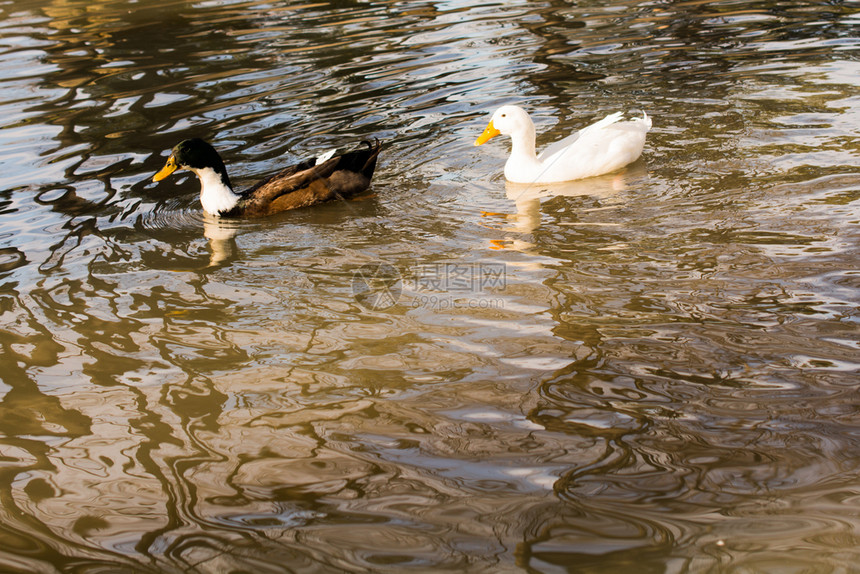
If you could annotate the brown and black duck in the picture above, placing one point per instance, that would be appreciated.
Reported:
(313, 181)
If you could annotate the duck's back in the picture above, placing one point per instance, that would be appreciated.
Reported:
(361, 162)
(307, 183)
(595, 150)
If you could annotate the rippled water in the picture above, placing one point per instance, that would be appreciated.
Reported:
(652, 371)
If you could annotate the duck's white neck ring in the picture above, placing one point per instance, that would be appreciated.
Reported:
(216, 196)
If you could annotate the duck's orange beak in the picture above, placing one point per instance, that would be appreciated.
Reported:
(168, 168)
(488, 134)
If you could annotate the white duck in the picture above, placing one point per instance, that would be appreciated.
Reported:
(602, 147)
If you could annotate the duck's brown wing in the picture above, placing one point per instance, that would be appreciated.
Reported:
(306, 184)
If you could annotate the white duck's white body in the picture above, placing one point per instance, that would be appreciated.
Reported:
(600, 148)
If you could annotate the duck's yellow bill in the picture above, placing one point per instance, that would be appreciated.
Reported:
(168, 168)
(489, 133)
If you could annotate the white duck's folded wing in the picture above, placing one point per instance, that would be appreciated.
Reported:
(600, 148)
(558, 146)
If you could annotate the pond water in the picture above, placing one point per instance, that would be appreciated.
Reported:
(650, 371)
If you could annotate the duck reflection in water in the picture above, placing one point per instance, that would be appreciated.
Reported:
(222, 240)
(527, 199)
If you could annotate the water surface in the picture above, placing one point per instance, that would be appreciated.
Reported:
(651, 371)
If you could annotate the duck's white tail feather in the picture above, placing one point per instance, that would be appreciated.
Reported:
(608, 120)
(324, 157)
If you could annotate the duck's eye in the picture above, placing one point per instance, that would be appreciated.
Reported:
(504, 115)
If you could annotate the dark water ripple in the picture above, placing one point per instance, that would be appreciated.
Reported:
(663, 381)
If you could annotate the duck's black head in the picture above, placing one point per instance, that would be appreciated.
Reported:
(194, 155)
